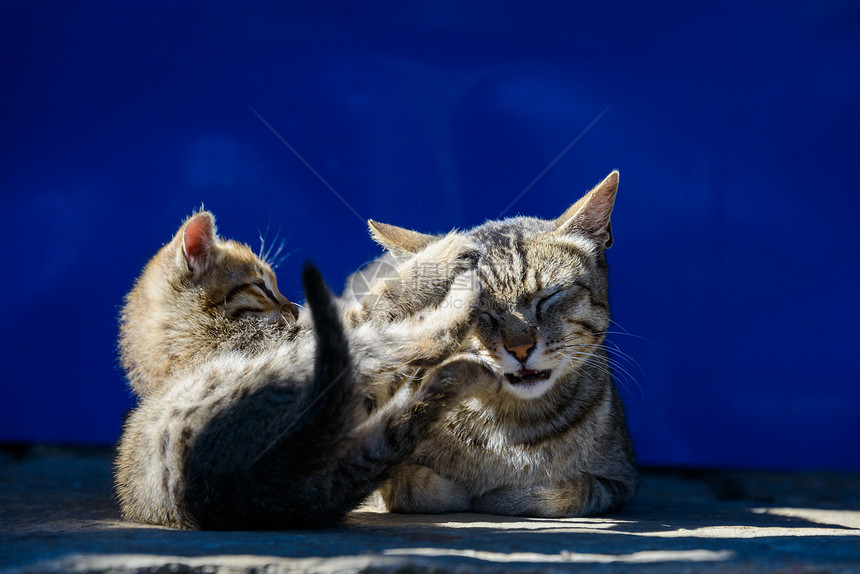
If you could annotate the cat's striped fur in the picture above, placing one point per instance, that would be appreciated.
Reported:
(554, 441)
(278, 436)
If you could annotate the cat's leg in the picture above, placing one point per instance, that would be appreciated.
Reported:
(415, 284)
(390, 436)
(433, 335)
(581, 495)
(428, 276)
(415, 488)
(423, 339)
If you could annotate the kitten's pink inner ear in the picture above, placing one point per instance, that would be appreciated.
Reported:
(198, 242)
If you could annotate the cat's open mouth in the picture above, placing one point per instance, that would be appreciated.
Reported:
(527, 376)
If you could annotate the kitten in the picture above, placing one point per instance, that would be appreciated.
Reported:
(199, 295)
(553, 442)
(276, 435)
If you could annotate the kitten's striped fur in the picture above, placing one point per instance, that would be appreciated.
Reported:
(553, 442)
(199, 295)
(275, 434)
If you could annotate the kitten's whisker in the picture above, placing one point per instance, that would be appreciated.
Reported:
(619, 325)
(262, 243)
(625, 330)
(267, 256)
(616, 368)
(589, 361)
(276, 259)
(278, 250)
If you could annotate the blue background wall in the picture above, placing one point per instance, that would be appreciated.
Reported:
(735, 129)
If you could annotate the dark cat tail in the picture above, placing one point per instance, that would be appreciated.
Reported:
(332, 354)
(330, 394)
(259, 465)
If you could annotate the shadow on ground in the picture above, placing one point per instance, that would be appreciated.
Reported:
(57, 514)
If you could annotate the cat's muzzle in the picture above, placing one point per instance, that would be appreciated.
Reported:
(527, 376)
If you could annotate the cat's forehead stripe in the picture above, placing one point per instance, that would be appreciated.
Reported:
(504, 261)
(534, 282)
(518, 255)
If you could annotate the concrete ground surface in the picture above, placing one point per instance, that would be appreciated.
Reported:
(57, 514)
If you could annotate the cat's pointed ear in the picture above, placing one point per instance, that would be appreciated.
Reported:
(399, 241)
(198, 242)
(590, 215)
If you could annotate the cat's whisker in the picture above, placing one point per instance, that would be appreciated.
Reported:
(619, 325)
(627, 331)
(610, 346)
(626, 334)
(274, 257)
(261, 253)
(619, 371)
(614, 352)
(588, 361)
(619, 366)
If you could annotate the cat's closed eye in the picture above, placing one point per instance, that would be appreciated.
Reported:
(545, 302)
(487, 322)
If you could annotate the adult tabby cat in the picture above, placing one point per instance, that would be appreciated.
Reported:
(265, 425)
(554, 441)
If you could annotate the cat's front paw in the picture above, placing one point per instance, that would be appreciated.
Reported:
(459, 251)
(416, 488)
(580, 495)
(441, 331)
(423, 281)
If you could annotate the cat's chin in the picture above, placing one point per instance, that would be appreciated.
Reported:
(529, 384)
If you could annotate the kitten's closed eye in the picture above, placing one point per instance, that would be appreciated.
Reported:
(261, 285)
(248, 299)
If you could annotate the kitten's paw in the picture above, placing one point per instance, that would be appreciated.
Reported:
(461, 374)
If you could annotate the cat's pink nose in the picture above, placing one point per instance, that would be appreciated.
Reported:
(521, 352)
